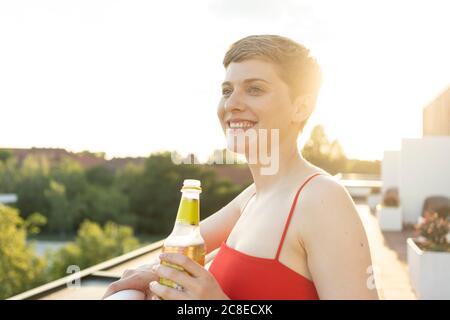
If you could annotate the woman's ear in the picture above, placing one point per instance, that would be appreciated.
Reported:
(303, 107)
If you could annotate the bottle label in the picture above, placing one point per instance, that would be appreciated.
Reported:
(189, 211)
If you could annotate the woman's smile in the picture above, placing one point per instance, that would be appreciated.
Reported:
(236, 126)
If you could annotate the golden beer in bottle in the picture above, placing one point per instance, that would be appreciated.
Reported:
(185, 237)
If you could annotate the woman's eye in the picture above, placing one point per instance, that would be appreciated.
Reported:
(255, 90)
(226, 92)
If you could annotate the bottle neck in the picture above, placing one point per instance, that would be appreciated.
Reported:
(189, 209)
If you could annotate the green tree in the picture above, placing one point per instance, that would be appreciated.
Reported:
(146, 195)
(65, 196)
(100, 176)
(321, 152)
(33, 181)
(5, 155)
(101, 204)
(155, 196)
(61, 213)
(92, 245)
(20, 267)
(9, 175)
(69, 173)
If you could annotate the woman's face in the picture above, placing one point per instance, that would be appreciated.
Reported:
(254, 97)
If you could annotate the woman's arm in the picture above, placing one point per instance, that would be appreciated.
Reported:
(335, 241)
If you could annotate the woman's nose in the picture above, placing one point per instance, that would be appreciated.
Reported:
(234, 103)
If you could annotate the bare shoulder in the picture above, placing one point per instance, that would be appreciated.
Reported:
(333, 236)
(323, 189)
(326, 206)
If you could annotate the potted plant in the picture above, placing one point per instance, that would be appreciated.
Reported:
(389, 213)
(374, 198)
(429, 256)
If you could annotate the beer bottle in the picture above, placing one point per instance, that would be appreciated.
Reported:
(185, 237)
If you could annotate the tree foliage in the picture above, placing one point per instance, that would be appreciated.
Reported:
(92, 245)
(330, 155)
(20, 267)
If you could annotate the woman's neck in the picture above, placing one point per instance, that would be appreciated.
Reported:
(290, 163)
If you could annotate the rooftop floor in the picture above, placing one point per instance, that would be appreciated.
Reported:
(388, 251)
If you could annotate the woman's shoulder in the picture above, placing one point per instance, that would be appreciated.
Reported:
(325, 202)
(321, 188)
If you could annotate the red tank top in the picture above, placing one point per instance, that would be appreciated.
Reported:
(245, 277)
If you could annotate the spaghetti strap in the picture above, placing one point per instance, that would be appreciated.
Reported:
(294, 204)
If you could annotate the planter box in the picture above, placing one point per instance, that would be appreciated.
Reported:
(389, 218)
(429, 272)
(373, 200)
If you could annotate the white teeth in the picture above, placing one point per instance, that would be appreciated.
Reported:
(241, 125)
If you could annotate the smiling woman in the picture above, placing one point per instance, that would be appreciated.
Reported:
(294, 232)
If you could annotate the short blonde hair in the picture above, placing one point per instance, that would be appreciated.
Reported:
(296, 66)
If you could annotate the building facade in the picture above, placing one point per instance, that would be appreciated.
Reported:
(436, 116)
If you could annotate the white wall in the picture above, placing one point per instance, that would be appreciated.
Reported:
(390, 170)
(425, 171)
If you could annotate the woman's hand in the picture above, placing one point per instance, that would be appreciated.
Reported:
(197, 284)
(137, 279)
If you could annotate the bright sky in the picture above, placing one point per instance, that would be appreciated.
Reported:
(132, 77)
